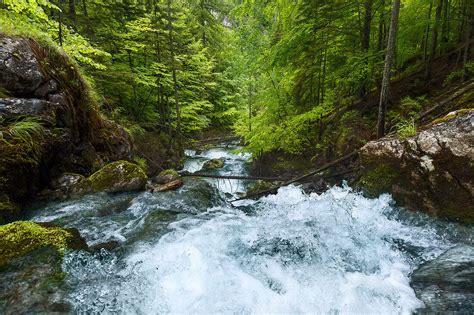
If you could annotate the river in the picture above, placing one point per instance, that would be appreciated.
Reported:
(193, 252)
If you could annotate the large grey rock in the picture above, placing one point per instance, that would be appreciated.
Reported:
(31, 107)
(445, 284)
(432, 171)
(20, 71)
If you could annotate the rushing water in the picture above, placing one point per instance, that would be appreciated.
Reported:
(193, 252)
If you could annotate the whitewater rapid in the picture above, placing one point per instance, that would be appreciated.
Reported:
(289, 253)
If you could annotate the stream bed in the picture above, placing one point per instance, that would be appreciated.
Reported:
(192, 251)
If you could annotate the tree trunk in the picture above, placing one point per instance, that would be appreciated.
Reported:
(381, 35)
(469, 27)
(175, 81)
(385, 89)
(434, 42)
(427, 33)
(367, 23)
(72, 12)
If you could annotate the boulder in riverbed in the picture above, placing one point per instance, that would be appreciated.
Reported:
(120, 176)
(213, 164)
(445, 283)
(166, 177)
(22, 237)
(431, 171)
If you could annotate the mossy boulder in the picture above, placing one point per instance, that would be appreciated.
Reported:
(259, 186)
(120, 176)
(213, 164)
(22, 237)
(166, 177)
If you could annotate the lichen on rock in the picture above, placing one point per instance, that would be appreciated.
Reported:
(120, 176)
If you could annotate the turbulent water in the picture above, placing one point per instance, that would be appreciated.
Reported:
(193, 252)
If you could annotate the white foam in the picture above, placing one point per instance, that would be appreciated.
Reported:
(298, 254)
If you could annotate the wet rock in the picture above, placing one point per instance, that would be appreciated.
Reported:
(165, 177)
(120, 176)
(108, 246)
(22, 237)
(431, 171)
(260, 186)
(213, 164)
(319, 186)
(445, 284)
(34, 284)
(173, 185)
(13, 107)
(70, 185)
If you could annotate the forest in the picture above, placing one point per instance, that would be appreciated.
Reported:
(273, 72)
(236, 156)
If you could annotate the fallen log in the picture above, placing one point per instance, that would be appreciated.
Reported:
(269, 179)
(300, 178)
(222, 139)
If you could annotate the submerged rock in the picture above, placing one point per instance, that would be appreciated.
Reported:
(22, 237)
(213, 164)
(445, 284)
(431, 171)
(120, 176)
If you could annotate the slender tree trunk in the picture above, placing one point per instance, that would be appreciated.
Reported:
(469, 27)
(60, 28)
(367, 23)
(385, 89)
(175, 81)
(323, 80)
(426, 37)
(250, 106)
(434, 40)
(72, 12)
(381, 35)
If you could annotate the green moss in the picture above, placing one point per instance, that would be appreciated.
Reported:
(20, 238)
(213, 164)
(451, 116)
(172, 172)
(378, 180)
(118, 176)
(259, 186)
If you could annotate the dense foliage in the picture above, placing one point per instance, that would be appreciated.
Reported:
(272, 69)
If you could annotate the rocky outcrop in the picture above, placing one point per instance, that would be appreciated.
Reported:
(432, 171)
(49, 123)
